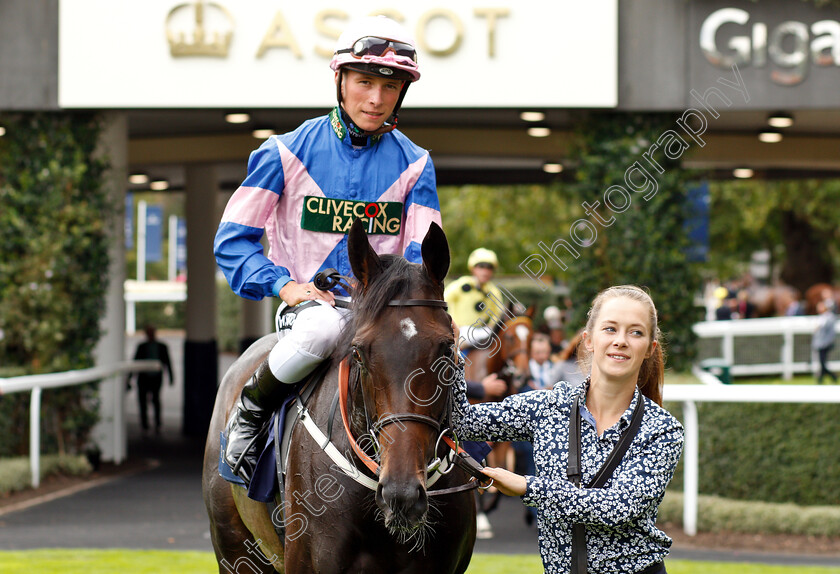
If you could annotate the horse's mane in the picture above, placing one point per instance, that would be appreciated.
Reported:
(396, 281)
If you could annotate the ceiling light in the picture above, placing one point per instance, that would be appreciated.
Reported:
(539, 131)
(532, 116)
(159, 185)
(263, 132)
(770, 136)
(552, 167)
(138, 179)
(780, 120)
(743, 173)
(237, 118)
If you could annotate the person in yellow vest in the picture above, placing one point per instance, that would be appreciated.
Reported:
(475, 303)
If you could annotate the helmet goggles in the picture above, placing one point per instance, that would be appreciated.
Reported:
(374, 46)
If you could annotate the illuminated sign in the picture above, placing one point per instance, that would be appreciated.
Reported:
(261, 53)
(730, 36)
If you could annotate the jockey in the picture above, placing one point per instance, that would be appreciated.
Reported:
(304, 189)
(475, 303)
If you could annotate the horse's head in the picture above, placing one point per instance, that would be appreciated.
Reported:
(516, 334)
(401, 331)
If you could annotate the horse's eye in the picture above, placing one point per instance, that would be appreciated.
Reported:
(357, 355)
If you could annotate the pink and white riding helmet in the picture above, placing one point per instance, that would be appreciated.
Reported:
(377, 45)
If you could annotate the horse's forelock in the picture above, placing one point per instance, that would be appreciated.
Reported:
(398, 280)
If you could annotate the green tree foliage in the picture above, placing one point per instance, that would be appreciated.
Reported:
(510, 220)
(647, 243)
(54, 268)
(796, 221)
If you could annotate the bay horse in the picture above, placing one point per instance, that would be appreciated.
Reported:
(334, 524)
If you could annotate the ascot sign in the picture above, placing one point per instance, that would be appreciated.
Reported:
(791, 45)
(329, 22)
(270, 54)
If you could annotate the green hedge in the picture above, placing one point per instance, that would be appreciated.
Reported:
(55, 214)
(15, 473)
(768, 452)
(715, 514)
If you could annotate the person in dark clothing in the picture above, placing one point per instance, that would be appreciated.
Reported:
(823, 339)
(149, 384)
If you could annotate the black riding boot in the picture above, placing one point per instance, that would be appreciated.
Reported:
(259, 398)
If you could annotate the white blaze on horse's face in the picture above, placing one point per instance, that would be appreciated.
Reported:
(408, 328)
(522, 332)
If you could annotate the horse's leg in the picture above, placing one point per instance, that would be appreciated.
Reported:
(261, 539)
(237, 550)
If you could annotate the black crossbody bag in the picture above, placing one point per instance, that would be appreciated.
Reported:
(580, 558)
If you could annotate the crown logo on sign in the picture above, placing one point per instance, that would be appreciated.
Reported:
(197, 43)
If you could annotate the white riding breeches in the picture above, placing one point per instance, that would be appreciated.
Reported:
(311, 339)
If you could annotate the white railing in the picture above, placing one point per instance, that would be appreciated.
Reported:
(689, 395)
(146, 291)
(740, 331)
(36, 383)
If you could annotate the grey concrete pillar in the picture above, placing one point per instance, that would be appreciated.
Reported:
(201, 356)
(110, 433)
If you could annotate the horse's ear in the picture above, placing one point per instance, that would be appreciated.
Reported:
(364, 261)
(435, 252)
(530, 311)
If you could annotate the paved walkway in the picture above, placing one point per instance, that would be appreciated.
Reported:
(153, 509)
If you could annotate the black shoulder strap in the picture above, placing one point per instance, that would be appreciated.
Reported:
(617, 453)
(580, 559)
(573, 464)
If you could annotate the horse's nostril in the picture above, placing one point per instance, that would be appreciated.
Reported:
(407, 501)
(421, 504)
(380, 499)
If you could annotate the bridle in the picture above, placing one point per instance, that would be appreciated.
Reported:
(457, 453)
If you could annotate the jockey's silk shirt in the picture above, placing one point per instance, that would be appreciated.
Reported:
(306, 187)
(620, 519)
(469, 303)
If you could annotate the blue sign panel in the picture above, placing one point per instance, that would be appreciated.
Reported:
(697, 222)
(129, 220)
(181, 245)
(154, 233)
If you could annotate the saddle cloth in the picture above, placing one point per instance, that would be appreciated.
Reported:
(263, 487)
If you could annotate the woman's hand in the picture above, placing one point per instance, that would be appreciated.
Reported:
(293, 293)
(507, 482)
